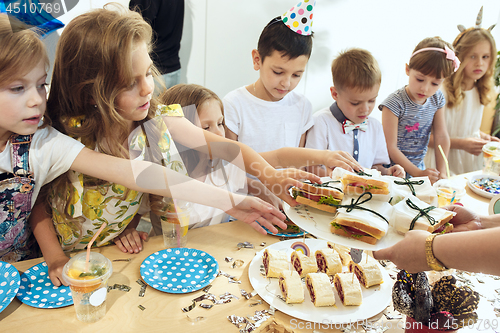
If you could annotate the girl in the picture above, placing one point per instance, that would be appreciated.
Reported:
(410, 113)
(205, 109)
(467, 92)
(101, 93)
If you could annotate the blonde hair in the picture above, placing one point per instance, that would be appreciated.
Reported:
(186, 95)
(463, 44)
(355, 69)
(21, 50)
(93, 65)
(432, 63)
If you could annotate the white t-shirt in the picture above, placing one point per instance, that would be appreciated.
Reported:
(51, 154)
(327, 133)
(265, 125)
(236, 183)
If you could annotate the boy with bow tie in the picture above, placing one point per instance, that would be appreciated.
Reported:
(346, 124)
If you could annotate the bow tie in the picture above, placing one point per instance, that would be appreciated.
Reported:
(348, 126)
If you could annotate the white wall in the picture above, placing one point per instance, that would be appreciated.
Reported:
(219, 36)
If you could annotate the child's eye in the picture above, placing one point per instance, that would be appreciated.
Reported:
(219, 124)
(435, 84)
(486, 57)
(149, 73)
(420, 80)
(17, 89)
(42, 86)
(296, 75)
(277, 73)
(206, 128)
(355, 104)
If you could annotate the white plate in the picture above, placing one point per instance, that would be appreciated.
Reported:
(317, 222)
(479, 191)
(375, 299)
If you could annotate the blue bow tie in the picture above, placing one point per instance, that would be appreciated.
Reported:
(349, 126)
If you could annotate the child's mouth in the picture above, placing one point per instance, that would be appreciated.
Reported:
(33, 120)
(144, 106)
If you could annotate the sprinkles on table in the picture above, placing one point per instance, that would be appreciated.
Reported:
(487, 184)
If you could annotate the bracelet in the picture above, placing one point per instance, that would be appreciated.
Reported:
(432, 261)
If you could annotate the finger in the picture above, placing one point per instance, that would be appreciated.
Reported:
(62, 281)
(258, 228)
(288, 199)
(273, 220)
(265, 223)
(55, 279)
(144, 235)
(120, 246)
(126, 244)
(381, 254)
(133, 239)
(301, 174)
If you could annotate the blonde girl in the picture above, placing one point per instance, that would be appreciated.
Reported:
(467, 92)
(33, 155)
(102, 93)
(412, 112)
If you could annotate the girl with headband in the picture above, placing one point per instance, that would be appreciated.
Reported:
(467, 91)
(411, 113)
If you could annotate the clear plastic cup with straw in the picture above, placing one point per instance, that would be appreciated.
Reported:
(449, 190)
(175, 224)
(87, 274)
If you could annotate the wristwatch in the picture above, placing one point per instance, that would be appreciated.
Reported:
(432, 261)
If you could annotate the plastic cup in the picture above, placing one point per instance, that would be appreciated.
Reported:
(449, 191)
(88, 288)
(491, 158)
(175, 225)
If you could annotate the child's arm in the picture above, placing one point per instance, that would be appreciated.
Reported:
(302, 142)
(257, 189)
(278, 182)
(442, 139)
(488, 137)
(153, 178)
(130, 240)
(471, 145)
(390, 125)
(290, 157)
(396, 170)
(43, 229)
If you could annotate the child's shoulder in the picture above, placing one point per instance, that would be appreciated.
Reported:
(237, 93)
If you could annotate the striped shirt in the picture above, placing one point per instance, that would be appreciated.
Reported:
(414, 122)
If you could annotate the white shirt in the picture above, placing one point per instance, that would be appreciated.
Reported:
(265, 125)
(327, 133)
(51, 154)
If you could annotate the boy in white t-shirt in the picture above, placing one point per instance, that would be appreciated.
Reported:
(346, 124)
(267, 114)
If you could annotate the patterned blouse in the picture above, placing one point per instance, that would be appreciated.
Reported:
(93, 202)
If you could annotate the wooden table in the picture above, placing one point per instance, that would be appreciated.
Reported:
(162, 310)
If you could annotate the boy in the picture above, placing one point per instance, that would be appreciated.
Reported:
(267, 114)
(346, 124)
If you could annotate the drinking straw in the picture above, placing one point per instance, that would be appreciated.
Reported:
(177, 226)
(89, 245)
(445, 161)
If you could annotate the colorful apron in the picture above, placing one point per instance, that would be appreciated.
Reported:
(16, 238)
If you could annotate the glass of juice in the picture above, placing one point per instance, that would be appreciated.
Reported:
(88, 284)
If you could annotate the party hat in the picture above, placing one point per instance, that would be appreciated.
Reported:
(299, 18)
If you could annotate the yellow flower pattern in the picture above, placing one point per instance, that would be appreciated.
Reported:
(111, 203)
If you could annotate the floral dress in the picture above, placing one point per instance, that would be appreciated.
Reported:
(93, 202)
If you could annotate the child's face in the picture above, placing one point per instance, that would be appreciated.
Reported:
(477, 61)
(354, 103)
(22, 103)
(278, 75)
(420, 86)
(211, 118)
(133, 104)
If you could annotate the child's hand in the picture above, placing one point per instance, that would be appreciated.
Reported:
(433, 175)
(130, 240)
(257, 213)
(474, 146)
(281, 180)
(397, 171)
(55, 266)
(341, 159)
(494, 138)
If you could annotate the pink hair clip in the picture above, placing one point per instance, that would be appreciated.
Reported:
(450, 55)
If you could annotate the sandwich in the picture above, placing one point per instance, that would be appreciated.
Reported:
(356, 185)
(343, 251)
(367, 271)
(303, 264)
(348, 288)
(325, 197)
(328, 261)
(412, 213)
(274, 262)
(420, 187)
(367, 222)
(320, 289)
(291, 287)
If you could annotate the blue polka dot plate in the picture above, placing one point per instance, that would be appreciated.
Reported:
(179, 270)
(37, 290)
(9, 284)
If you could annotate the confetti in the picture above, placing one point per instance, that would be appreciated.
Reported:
(141, 307)
(189, 307)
